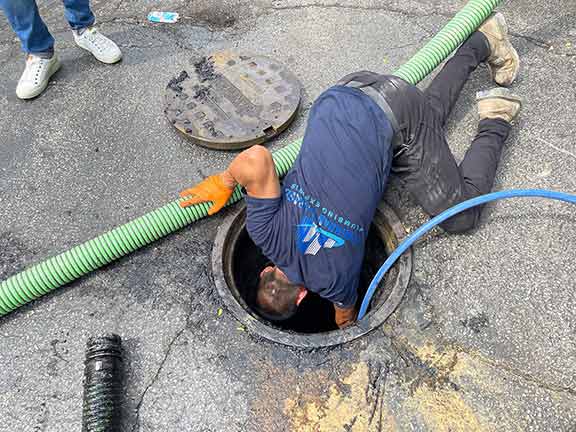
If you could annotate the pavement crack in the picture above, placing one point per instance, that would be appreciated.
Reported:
(378, 375)
(417, 371)
(157, 374)
(541, 43)
(136, 46)
(534, 41)
(124, 20)
(524, 376)
(439, 372)
(55, 350)
(558, 149)
(400, 11)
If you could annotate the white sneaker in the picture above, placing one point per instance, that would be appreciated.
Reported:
(35, 77)
(99, 45)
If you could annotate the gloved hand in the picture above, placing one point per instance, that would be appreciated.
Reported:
(211, 189)
(345, 317)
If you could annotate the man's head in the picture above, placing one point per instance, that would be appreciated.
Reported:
(278, 298)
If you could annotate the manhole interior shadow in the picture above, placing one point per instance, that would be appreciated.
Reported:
(237, 263)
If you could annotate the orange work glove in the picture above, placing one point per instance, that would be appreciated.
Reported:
(345, 317)
(211, 189)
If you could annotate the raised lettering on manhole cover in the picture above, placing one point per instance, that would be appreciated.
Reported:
(229, 101)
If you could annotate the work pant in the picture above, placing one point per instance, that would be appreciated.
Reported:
(422, 158)
(34, 36)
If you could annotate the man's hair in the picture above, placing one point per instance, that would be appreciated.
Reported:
(276, 298)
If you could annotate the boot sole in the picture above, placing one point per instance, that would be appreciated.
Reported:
(517, 61)
(502, 23)
(499, 17)
(499, 93)
(515, 74)
(55, 68)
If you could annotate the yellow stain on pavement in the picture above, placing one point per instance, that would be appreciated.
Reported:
(344, 408)
(445, 411)
(438, 407)
(437, 391)
(442, 359)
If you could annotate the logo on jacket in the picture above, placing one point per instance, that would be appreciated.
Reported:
(312, 238)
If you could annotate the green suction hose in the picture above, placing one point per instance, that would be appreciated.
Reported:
(447, 40)
(93, 254)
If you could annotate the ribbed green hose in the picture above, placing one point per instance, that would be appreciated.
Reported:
(93, 254)
(447, 40)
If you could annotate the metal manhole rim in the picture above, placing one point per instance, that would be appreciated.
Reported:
(370, 322)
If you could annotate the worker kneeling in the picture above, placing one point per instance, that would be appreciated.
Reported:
(314, 226)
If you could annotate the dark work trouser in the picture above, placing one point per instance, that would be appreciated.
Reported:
(422, 158)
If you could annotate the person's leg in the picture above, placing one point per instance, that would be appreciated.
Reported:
(430, 173)
(479, 165)
(79, 14)
(87, 36)
(429, 170)
(37, 43)
(26, 22)
(478, 171)
(444, 90)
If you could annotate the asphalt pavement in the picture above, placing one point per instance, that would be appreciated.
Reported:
(485, 338)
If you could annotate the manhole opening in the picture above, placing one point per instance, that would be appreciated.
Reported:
(315, 314)
(243, 261)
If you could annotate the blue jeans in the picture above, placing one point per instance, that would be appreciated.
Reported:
(34, 36)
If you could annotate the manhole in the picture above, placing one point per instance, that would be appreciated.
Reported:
(237, 262)
(229, 101)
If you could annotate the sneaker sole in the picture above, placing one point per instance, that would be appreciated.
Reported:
(100, 59)
(55, 68)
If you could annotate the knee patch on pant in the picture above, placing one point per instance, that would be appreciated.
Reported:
(463, 222)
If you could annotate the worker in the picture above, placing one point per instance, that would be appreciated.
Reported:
(38, 44)
(313, 227)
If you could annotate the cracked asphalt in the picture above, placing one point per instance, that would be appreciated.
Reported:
(484, 340)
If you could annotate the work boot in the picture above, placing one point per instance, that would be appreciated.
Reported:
(503, 61)
(36, 75)
(99, 45)
(498, 103)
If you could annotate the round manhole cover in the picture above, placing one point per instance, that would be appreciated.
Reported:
(229, 101)
(237, 263)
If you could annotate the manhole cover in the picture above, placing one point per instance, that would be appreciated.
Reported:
(229, 101)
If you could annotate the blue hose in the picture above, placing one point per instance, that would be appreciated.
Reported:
(408, 242)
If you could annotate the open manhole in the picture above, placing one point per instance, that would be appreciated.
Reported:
(237, 262)
(231, 101)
